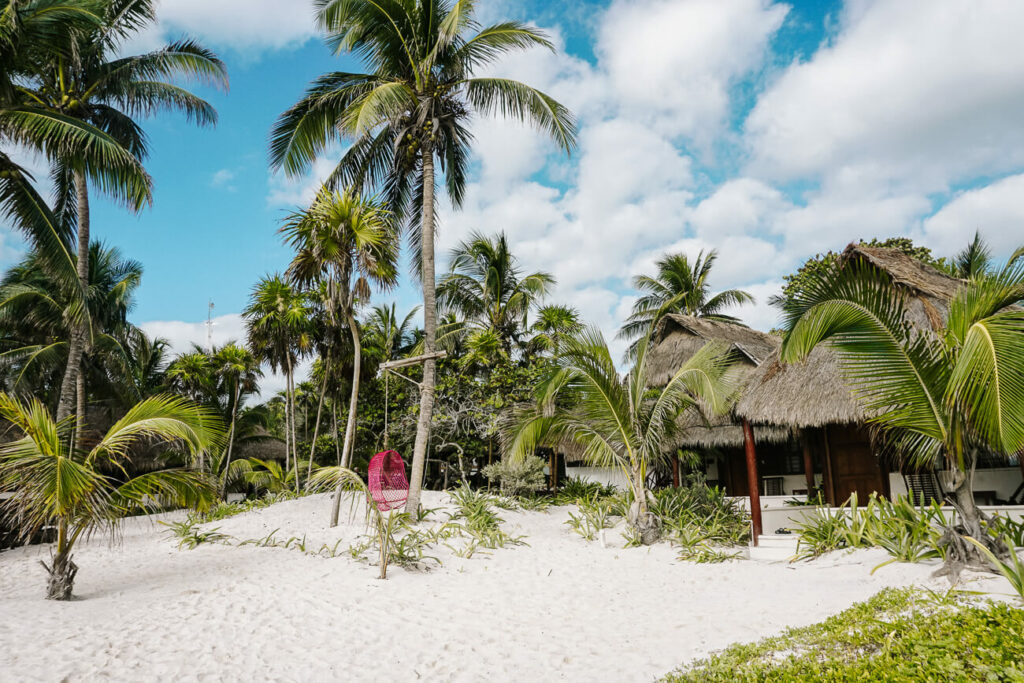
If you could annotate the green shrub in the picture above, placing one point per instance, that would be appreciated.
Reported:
(908, 532)
(704, 510)
(517, 477)
(479, 521)
(574, 488)
(898, 635)
(595, 514)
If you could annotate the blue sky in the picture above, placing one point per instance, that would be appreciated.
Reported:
(769, 131)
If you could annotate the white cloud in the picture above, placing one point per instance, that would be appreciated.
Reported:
(294, 192)
(995, 210)
(672, 63)
(920, 93)
(240, 24)
(223, 179)
(226, 328)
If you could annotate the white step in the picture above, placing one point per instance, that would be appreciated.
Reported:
(774, 547)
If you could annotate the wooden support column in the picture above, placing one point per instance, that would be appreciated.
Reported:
(753, 479)
(808, 463)
(830, 486)
(552, 472)
(675, 470)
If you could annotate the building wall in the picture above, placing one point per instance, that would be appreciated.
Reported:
(1003, 480)
(602, 475)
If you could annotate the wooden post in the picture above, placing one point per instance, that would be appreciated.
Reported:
(808, 463)
(552, 473)
(675, 470)
(753, 480)
(830, 485)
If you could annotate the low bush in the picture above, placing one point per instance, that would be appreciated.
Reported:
(517, 477)
(898, 635)
(574, 488)
(595, 515)
(475, 517)
(701, 510)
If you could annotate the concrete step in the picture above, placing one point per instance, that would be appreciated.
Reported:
(774, 547)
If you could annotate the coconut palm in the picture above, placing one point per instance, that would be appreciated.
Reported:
(554, 323)
(387, 336)
(485, 287)
(933, 394)
(98, 88)
(239, 374)
(349, 243)
(38, 313)
(408, 112)
(55, 485)
(681, 286)
(280, 332)
(619, 422)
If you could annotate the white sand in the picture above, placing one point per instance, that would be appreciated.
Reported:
(558, 609)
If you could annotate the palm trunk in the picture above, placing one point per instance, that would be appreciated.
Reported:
(316, 427)
(76, 345)
(62, 569)
(334, 414)
(231, 443)
(961, 554)
(419, 451)
(287, 430)
(641, 518)
(291, 411)
(350, 423)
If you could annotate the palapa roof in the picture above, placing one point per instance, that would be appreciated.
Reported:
(676, 339)
(813, 393)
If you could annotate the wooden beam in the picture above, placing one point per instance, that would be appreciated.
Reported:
(830, 484)
(675, 470)
(753, 480)
(412, 360)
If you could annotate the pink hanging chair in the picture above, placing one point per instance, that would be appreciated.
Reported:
(386, 480)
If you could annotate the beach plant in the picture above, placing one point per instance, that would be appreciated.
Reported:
(516, 478)
(1012, 568)
(71, 489)
(681, 287)
(575, 488)
(937, 391)
(721, 520)
(407, 114)
(595, 515)
(190, 537)
(477, 519)
(534, 503)
(897, 635)
(619, 422)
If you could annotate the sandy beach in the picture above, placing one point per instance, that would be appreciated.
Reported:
(560, 608)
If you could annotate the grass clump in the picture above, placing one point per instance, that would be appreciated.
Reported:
(191, 537)
(574, 489)
(596, 513)
(898, 635)
(476, 518)
(908, 532)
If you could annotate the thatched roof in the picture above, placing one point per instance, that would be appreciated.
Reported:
(676, 339)
(812, 393)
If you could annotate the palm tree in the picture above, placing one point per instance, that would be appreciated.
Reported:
(55, 485)
(485, 286)
(679, 287)
(387, 336)
(35, 33)
(102, 90)
(191, 374)
(933, 394)
(619, 422)
(279, 330)
(554, 323)
(38, 313)
(239, 372)
(349, 243)
(409, 111)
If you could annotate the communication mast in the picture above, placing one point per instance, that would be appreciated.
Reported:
(209, 327)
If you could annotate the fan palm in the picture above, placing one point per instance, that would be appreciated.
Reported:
(619, 422)
(940, 394)
(486, 288)
(55, 485)
(350, 244)
(681, 286)
(408, 112)
(98, 88)
(279, 329)
(388, 336)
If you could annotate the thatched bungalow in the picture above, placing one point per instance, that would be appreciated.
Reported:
(811, 399)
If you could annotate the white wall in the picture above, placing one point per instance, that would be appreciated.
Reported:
(601, 475)
(1003, 480)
